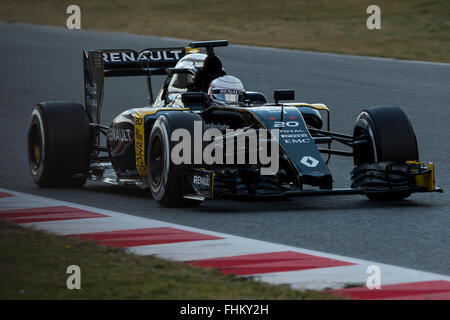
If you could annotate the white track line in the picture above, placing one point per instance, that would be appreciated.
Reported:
(230, 245)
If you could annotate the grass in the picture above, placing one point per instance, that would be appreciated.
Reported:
(33, 266)
(410, 29)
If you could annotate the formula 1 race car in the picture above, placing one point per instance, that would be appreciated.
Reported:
(144, 145)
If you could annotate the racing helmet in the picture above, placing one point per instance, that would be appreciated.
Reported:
(226, 90)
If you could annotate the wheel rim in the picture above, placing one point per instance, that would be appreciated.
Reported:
(35, 147)
(156, 161)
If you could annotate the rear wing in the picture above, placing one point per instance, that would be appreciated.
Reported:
(98, 64)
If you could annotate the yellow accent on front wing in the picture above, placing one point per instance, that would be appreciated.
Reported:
(139, 135)
(426, 178)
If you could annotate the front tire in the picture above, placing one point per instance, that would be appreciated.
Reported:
(166, 179)
(58, 144)
(382, 135)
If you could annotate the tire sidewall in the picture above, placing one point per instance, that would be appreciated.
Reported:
(159, 130)
(37, 118)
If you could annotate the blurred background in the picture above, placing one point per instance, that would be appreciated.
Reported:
(410, 29)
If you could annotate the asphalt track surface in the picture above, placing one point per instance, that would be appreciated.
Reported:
(44, 63)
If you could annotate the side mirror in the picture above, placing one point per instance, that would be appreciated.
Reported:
(193, 98)
(285, 94)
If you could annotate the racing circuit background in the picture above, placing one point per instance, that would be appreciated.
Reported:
(40, 63)
(44, 63)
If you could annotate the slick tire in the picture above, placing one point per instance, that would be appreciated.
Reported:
(387, 135)
(166, 179)
(58, 144)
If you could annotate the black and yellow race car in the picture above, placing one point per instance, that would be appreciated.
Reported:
(65, 138)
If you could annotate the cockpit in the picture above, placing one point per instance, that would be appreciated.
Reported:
(193, 73)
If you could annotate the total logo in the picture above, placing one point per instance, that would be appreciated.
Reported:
(309, 161)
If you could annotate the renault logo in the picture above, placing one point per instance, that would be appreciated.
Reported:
(309, 161)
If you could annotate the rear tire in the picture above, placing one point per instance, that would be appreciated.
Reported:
(383, 134)
(58, 144)
(166, 179)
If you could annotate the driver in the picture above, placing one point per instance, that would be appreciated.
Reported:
(225, 91)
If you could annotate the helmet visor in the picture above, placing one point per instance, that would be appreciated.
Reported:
(227, 96)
